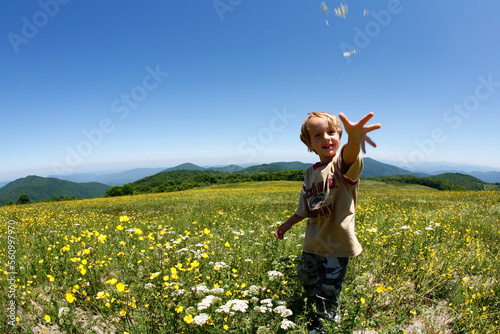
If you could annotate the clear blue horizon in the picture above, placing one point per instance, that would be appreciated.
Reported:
(92, 86)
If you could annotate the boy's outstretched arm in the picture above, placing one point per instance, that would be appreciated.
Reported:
(357, 136)
(281, 230)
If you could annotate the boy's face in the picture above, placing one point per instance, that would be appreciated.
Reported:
(325, 140)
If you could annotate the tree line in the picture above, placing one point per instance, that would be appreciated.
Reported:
(458, 183)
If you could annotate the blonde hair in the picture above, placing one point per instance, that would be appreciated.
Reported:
(332, 120)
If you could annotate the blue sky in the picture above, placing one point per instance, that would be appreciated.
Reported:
(91, 86)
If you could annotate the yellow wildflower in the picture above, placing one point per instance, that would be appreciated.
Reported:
(70, 297)
(380, 288)
(154, 275)
(188, 319)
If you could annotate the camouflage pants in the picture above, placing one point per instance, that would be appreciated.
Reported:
(322, 279)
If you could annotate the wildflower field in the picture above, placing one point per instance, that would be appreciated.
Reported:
(206, 261)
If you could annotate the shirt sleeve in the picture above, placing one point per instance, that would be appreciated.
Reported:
(302, 207)
(352, 173)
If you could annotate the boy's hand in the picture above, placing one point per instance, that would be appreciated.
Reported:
(357, 131)
(281, 230)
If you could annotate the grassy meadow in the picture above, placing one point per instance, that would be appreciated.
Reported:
(206, 261)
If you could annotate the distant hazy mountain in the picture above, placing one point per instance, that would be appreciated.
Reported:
(38, 188)
(490, 177)
(111, 179)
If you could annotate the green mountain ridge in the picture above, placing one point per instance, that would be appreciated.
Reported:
(444, 181)
(184, 166)
(276, 167)
(228, 168)
(40, 188)
(376, 168)
(371, 168)
(466, 181)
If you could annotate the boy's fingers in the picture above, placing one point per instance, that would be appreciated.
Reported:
(371, 142)
(373, 127)
(363, 148)
(365, 119)
(344, 119)
(362, 121)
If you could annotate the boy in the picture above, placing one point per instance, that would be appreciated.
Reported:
(328, 199)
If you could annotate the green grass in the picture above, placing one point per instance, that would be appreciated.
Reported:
(145, 263)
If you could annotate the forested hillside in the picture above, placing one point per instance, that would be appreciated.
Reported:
(39, 188)
(186, 179)
(446, 181)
